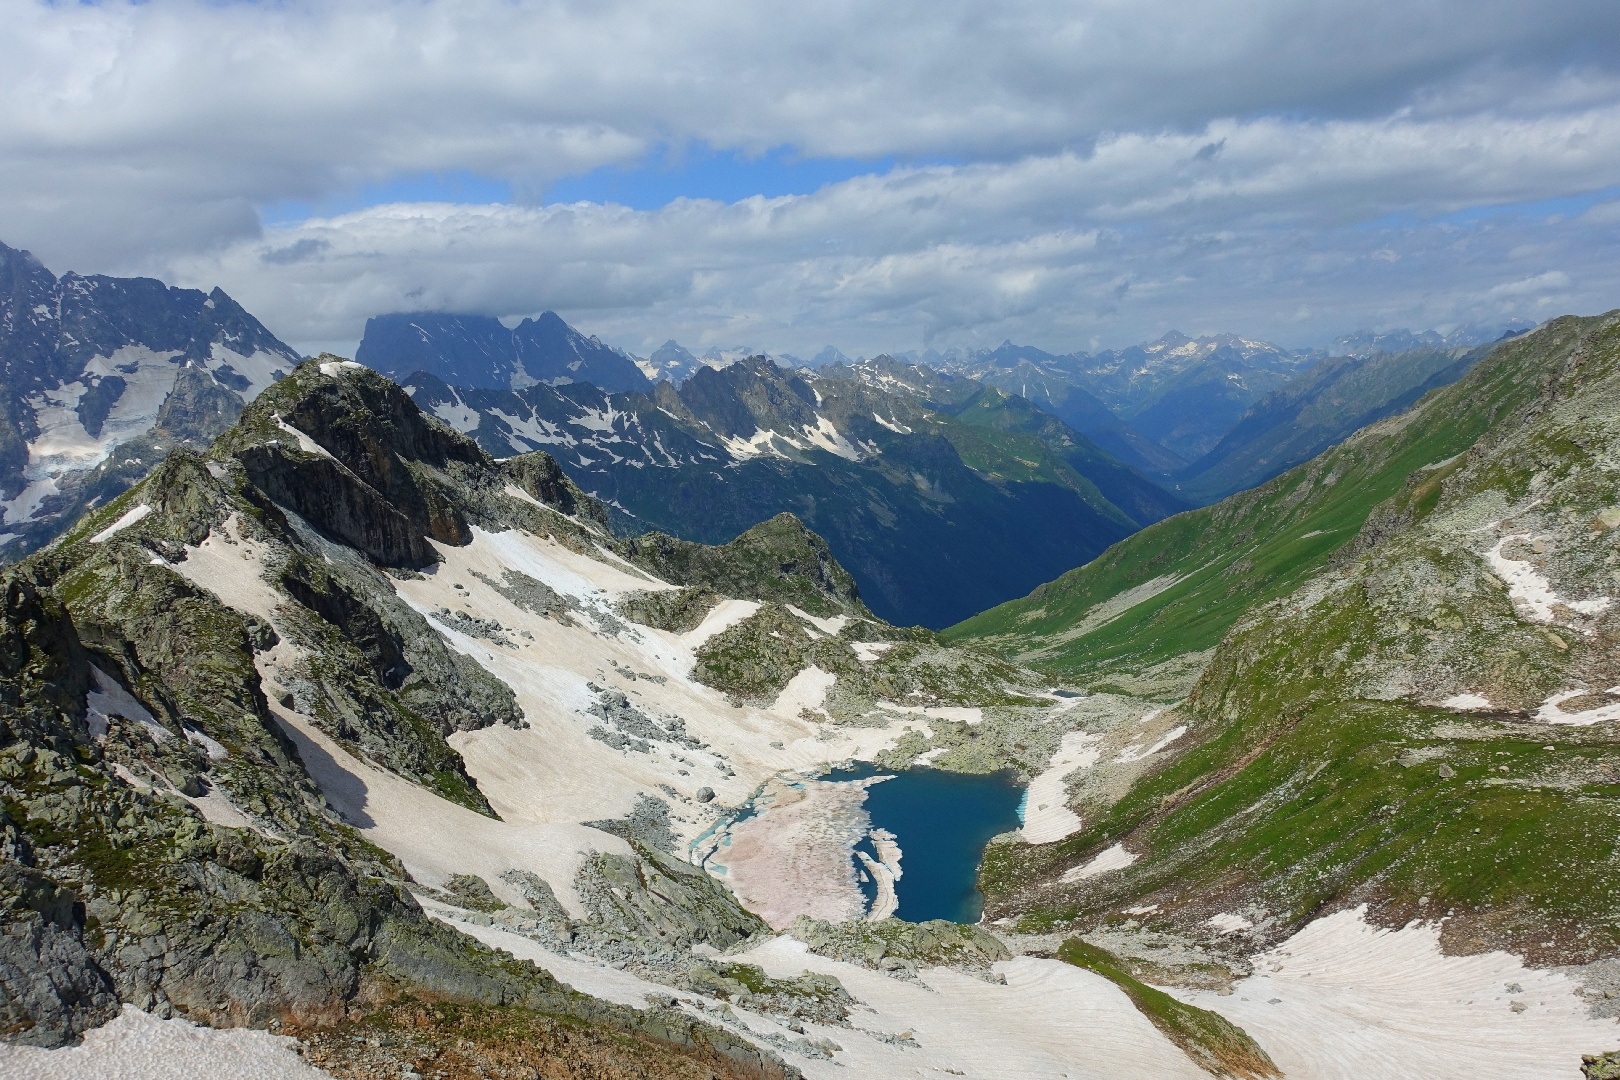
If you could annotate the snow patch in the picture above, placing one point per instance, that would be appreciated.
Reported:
(336, 368)
(461, 417)
(1114, 858)
(1532, 594)
(305, 443)
(831, 439)
(138, 1046)
(805, 691)
(893, 425)
(109, 699)
(63, 444)
(1135, 752)
(1047, 817)
(1228, 923)
(131, 516)
(869, 651)
(1552, 713)
(722, 617)
(830, 627)
(1467, 701)
(1342, 1000)
(28, 501)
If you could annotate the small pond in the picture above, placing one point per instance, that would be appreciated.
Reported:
(942, 822)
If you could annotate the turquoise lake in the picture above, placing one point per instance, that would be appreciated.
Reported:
(942, 822)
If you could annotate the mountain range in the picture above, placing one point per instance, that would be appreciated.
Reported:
(100, 377)
(366, 722)
(479, 351)
(914, 478)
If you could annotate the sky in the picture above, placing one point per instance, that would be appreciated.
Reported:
(876, 176)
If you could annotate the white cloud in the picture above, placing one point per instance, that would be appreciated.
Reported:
(1040, 250)
(1115, 163)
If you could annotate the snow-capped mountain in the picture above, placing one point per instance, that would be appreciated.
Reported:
(101, 376)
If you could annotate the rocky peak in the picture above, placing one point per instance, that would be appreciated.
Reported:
(749, 396)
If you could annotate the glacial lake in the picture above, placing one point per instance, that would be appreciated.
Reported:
(942, 822)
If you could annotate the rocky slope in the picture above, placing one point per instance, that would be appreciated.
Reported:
(914, 479)
(1411, 718)
(101, 377)
(287, 713)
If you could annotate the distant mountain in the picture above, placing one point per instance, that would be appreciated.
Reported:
(828, 355)
(100, 377)
(477, 350)
(1317, 408)
(917, 480)
(1363, 343)
(670, 361)
(1156, 406)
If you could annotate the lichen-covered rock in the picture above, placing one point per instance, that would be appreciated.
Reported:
(901, 947)
(779, 560)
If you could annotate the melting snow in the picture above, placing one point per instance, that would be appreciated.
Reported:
(1551, 712)
(1114, 858)
(109, 699)
(892, 425)
(138, 1046)
(1136, 753)
(1342, 1000)
(335, 368)
(827, 626)
(1228, 923)
(131, 516)
(1047, 817)
(1533, 594)
(869, 651)
(1467, 701)
(305, 443)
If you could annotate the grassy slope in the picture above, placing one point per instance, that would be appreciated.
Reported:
(1256, 545)
(1313, 777)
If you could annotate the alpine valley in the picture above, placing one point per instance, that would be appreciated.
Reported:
(491, 709)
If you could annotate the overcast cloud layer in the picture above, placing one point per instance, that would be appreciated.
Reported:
(1071, 174)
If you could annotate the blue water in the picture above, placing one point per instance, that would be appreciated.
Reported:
(942, 821)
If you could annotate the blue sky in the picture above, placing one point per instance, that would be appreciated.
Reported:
(1063, 174)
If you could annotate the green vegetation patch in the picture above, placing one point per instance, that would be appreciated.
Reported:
(1214, 1043)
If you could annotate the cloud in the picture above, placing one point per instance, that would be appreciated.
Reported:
(1041, 250)
(1107, 164)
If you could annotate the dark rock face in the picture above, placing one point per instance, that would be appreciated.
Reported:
(476, 350)
(376, 475)
(340, 504)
